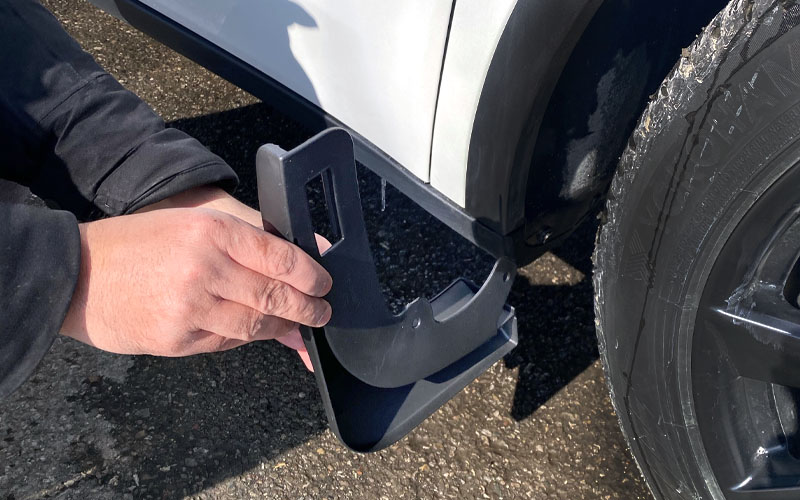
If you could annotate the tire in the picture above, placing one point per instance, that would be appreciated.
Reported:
(696, 274)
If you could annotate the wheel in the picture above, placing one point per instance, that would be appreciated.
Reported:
(696, 266)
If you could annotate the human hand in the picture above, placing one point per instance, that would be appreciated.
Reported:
(176, 282)
(218, 199)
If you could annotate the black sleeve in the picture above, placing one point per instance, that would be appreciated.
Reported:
(75, 136)
(80, 141)
(38, 271)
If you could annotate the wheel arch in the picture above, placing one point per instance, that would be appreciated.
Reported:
(538, 180)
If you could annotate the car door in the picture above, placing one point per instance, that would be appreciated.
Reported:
(372, 64)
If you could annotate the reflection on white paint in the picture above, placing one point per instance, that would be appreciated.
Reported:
(373, 64)
(473, 40)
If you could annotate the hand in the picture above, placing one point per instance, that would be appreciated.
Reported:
(218, 199)
(175, 282)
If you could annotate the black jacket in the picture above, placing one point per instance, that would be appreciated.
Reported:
(74, 137)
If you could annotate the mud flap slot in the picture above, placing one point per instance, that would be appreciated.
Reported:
(379, 374)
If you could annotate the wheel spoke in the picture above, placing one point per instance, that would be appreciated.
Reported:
(789, 493)
(773, 476)
(765, 494)
(761, 337)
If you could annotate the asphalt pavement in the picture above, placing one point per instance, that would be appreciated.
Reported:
(249, 423)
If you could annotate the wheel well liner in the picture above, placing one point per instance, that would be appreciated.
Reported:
(541, 178)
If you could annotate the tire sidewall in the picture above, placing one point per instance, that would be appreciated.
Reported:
(679, 196)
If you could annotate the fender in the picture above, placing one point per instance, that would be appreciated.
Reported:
(540, 179)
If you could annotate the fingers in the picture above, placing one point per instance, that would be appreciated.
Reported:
(236, 321)
(272, 256)
(295, 341)
(292, 340)
(306, 360)
(322, 243)
(271, 297)
(204, 341)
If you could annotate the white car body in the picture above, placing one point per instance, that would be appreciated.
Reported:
(503, 119)
(375, 65)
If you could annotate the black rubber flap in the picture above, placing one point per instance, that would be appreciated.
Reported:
(379, 374)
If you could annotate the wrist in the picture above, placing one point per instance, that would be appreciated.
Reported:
(200, 196)
(210, 197)
(74, 323)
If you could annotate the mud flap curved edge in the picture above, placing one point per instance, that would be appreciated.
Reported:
(368, 416)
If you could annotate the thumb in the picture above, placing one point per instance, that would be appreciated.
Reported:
(295, 341)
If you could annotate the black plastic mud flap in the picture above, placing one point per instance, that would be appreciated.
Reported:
(379, 374)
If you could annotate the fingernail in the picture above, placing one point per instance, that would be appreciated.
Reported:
(327, 284)
(323, 319)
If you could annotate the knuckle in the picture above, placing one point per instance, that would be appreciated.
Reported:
(205, 227)
(182, 310)
(173, 342)
(175, 347)
(283, 260)
(283, 326)
(275, 297)
(249, 325)
(188, 306)
(193, 270)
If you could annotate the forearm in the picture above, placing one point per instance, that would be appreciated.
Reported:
(75, 136)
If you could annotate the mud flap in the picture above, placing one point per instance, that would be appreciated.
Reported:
(379, 374)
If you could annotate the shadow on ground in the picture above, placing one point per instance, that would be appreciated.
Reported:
(223, 415)
(182, 425)
(417, 255)
(185, 424)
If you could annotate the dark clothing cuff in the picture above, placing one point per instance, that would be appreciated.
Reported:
(38, 271)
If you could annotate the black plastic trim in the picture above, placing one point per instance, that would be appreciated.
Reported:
(622, 57)
(525, 68)
(567, 83)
